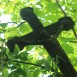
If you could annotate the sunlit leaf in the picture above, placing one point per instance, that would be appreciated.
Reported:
(24, 29)
(68, 49)
(51, 7)
(12, 32)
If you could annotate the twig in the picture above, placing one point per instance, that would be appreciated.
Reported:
(28, 63)
(21, 23)
(65, 16)
(74, 32)
(61, 8)
(72, 41)
(13, 22)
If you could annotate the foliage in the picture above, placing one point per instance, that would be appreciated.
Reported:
(48, 12)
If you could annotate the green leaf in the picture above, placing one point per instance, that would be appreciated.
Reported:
(68, 49)
(29, 73)
(23, 55)
(1, 31)
(36, 73)
(3, 25)
(12, 32)
(1, 39)
(11, 74)
(40, 62)
(38, 12)
(66, 39)
(17, 73)
(30, 47)
(51, 7)
(24, 29)
(5, 72)
(74, 5)
(21, 72)
(16, 50)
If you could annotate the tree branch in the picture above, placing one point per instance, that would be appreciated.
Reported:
(61, 8)
(28, 63)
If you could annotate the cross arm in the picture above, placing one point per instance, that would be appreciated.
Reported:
(33, 37)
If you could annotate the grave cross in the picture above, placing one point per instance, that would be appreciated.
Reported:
(46, 36)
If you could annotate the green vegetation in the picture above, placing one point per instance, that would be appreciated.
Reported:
(33, 60)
